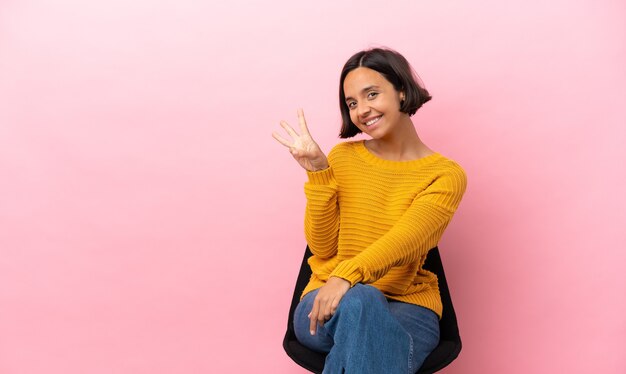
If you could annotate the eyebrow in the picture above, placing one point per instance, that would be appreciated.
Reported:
(363, 90)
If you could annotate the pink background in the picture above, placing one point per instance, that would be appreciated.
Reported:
(150, 224)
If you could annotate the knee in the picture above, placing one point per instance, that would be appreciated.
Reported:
(361, 296)
(366, 292)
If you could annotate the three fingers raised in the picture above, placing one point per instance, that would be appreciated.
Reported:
(292, 133)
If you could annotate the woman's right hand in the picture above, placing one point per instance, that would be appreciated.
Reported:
(302, 146)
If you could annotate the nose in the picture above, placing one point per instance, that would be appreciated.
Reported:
(363, 111)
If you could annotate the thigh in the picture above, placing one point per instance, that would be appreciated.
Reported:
(420, 322)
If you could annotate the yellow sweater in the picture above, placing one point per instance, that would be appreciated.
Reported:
(372, 221)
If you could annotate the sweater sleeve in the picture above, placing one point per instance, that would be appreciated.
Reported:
(417, 231)
(321, 218)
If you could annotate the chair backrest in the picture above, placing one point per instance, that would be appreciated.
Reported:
(448, 324)
(449, 343)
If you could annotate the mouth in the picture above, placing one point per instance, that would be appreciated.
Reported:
(372, 121)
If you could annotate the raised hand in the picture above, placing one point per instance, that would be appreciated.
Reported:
(302, 146)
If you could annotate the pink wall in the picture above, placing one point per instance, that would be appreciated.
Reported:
(150, 224)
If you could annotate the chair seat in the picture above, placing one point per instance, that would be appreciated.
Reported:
(305, 357)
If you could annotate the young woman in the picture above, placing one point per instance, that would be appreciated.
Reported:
(374, 209)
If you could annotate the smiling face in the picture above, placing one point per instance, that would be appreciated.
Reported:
(373, 102)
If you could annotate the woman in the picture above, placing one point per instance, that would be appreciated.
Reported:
(374, 209)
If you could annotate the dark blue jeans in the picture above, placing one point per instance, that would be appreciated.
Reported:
(370, 334)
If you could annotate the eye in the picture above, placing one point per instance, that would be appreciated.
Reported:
(351, 104)
(372, 95)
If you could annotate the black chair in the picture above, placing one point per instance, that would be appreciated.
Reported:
(449, 344)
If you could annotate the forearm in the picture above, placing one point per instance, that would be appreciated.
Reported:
(321, 220)
(403, 244)
(417, 231)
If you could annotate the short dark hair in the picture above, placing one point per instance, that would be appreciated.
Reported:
(396, 69)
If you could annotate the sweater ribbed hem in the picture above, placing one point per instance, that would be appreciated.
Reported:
(321, 177)
(349, 271)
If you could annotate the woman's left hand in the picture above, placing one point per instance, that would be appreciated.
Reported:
(326, 301)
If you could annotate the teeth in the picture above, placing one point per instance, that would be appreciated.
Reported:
(372, 121)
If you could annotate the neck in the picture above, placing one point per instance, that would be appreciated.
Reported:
(401, 145)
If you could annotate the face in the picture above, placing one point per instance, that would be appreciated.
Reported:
(373, 102)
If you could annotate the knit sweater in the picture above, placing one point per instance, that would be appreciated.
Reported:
(372, 221)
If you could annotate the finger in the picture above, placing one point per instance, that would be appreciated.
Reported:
(321, 314)
(313, 318)
(289, 130)
(303, 126)
(331, 308)
(281, 140)
(334, 305)
(325, 316)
